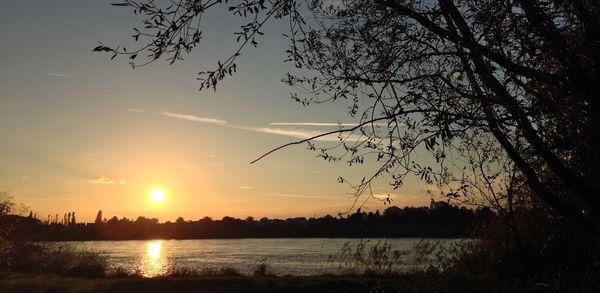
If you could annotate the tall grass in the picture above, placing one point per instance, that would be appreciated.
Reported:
(262, 269)
(59, 260)
(381, 259)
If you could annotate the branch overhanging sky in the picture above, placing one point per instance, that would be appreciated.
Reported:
(79, 133)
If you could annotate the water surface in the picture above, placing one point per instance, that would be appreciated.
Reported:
(295, 256)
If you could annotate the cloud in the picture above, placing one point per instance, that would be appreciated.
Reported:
(192, 118)
(56, 199)
(404, 199)
(297, 133)
(104, 180)
(383, 196)
(136, 110)
(300, 133)
(246, 187)
(25, 177)
(308, 196)
(56, 74)
(311, 124)
(290, 132)
(180, 116)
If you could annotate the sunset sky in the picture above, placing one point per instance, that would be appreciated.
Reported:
(81, 133)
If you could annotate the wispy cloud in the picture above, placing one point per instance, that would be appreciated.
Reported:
(104, 180)
(324, 124)
(56, 74)
(290, 132)
(56, 199)
(299, 133)
(295, 195)
(180, 116)
(192, 118)
(136, 110)
(383, 196)
(246, 187)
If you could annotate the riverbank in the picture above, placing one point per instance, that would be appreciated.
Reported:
(287, 284)
(64, 270)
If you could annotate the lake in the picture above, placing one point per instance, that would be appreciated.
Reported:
(294, 256)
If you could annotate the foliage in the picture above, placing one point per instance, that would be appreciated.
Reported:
(6, 203)
(546, 258)
(381, 259)
(35, 258)
(6, 229)
(440, 220)
(499, 93)
(59, 260)
(98, 217)
(261, 269)
(288, 284)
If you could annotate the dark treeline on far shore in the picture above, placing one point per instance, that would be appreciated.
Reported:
(438, 220)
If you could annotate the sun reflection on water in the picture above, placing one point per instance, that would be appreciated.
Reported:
(154, 263)
(153, 249)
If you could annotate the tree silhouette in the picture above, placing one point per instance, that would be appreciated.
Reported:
(99, 217)
(6, 203)
(506, 89)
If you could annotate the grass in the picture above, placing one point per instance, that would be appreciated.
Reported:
(381, 259)
(58, 269)
(59, 260)
(287, 284)
(471, 266)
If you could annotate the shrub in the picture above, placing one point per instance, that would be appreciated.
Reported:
(229, 272)
(224, 272)
(182, 272)
(60, 260)
(546, 257)
(261, 269)
(382, 259)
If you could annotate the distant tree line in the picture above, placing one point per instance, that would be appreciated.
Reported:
(439, 220)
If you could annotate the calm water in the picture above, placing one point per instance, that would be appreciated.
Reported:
(297, 256)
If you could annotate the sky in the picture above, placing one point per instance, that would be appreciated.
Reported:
(81, 133)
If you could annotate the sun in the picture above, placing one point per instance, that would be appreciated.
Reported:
(157, 195)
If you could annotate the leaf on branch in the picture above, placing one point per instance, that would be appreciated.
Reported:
(102, 49)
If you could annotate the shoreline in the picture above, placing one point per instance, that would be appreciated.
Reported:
(287, 284)
(283, 237)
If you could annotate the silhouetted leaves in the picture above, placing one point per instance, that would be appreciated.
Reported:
(498, 94)
(102, 49)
